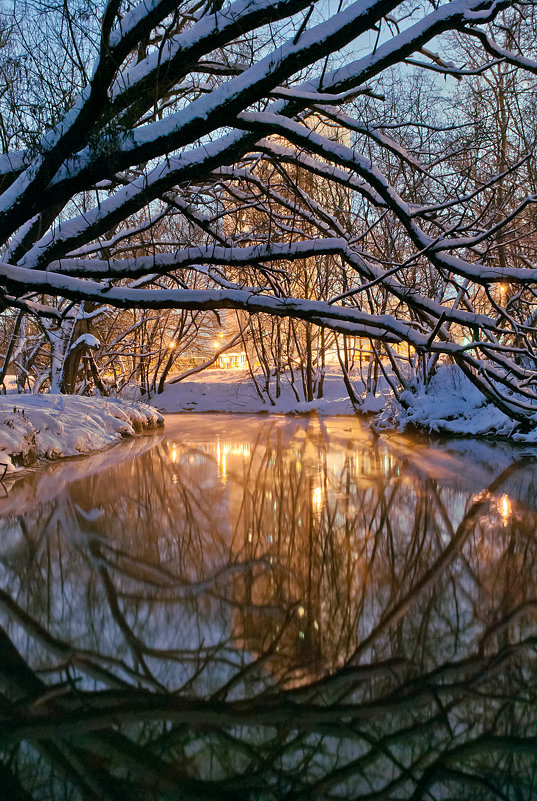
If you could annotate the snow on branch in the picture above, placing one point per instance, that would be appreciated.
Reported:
(256, 156)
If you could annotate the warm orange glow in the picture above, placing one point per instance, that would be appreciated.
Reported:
(232, 360)
(171, 345)
(225, 449)
(317, 497)
(505, 508)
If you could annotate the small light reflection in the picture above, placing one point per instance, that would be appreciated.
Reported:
(225, 449)
(505, 509)
(301, 611)
(317, 497)
(174, 454)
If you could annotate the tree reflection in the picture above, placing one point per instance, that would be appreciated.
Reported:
(292, 611)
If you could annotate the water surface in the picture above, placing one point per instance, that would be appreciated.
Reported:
(271, 608)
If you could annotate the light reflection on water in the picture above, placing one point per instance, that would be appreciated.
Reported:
(271, 608)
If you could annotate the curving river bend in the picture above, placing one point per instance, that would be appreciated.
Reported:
(248, 607)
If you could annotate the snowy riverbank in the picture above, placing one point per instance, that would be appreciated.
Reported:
(452, 405)
(35, 427)
(449, 405)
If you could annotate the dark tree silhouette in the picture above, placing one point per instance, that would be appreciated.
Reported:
(181, 109)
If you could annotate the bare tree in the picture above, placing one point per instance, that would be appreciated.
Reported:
(175, 106)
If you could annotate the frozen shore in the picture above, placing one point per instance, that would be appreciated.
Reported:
(37, 427)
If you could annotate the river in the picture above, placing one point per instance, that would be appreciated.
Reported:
(264, 607)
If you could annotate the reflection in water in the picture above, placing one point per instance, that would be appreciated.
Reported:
(269, 608)
(505, 509)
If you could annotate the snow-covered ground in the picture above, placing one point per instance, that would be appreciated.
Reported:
(452, 405)
(234, 391)
(35, 427)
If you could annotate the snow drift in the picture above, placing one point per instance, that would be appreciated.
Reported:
(35, 427)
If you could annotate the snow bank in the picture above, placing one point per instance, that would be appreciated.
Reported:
(34, 427)
(450, 405)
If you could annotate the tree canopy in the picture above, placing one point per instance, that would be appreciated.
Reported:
(193, 156)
